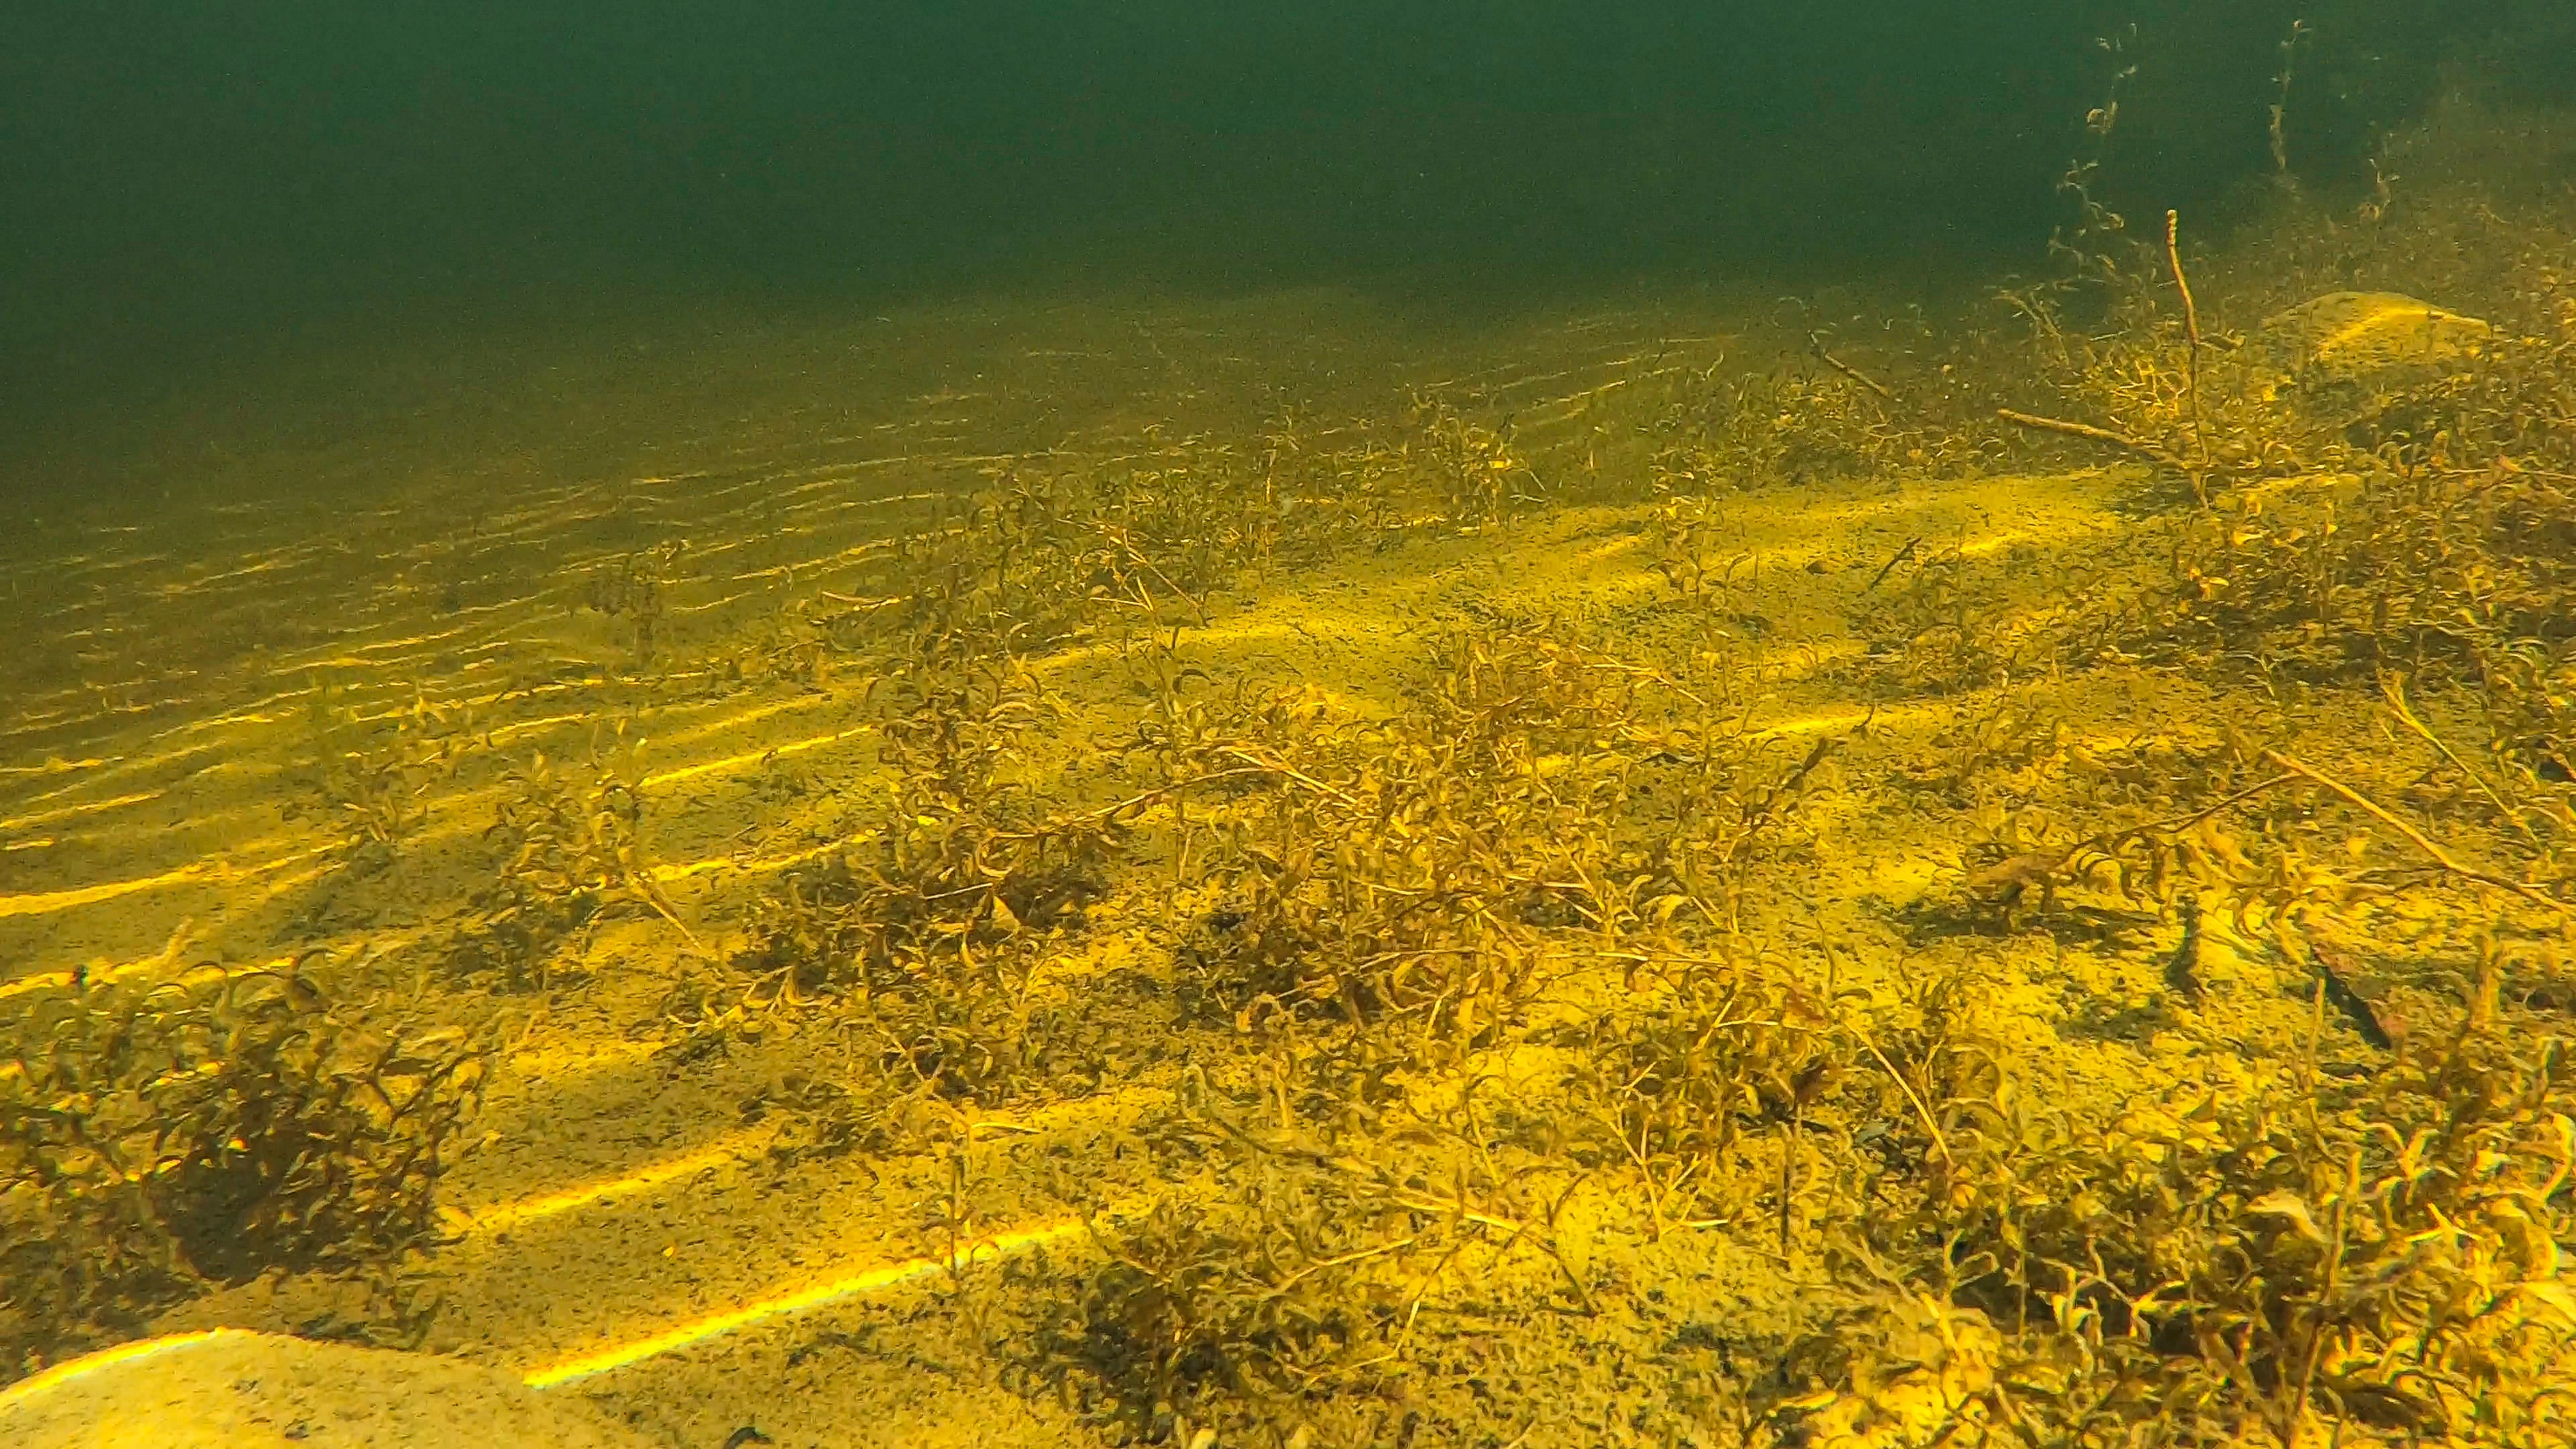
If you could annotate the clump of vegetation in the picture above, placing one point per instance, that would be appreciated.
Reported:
(2393, 496)
(2313, 1260)
(1953, 623)
(1046, 557)
(1134, 545)
(961, 862)
(160, 1137)
(1811, 414)
(1279, 1297)
(1683, 1080)
(1284, 1297)
(1693, 549)
(629, 589)
(1787, 427)
(923, 926)
(1474, 470)
(375, 773)
(567, 851)
(1417, 873)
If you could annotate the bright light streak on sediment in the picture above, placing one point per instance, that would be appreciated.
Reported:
(784, 1305)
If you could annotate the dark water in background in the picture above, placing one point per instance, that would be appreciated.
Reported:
(187, 186)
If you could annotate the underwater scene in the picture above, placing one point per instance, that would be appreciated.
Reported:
(1429, 725)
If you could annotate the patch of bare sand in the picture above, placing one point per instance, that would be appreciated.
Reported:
(230, 1389)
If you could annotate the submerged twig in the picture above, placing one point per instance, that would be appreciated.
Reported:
(1817, 341)
(1898, 557)
(2191, 331)
(1932, 1125)
(2394, 689)
(2417, 837)
(2100, 435)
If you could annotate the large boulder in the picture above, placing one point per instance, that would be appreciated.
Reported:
(2353, 360)
(2367, 337)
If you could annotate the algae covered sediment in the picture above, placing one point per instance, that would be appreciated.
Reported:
(1661, 876)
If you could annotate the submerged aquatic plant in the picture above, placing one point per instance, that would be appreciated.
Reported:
(161, 1136)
